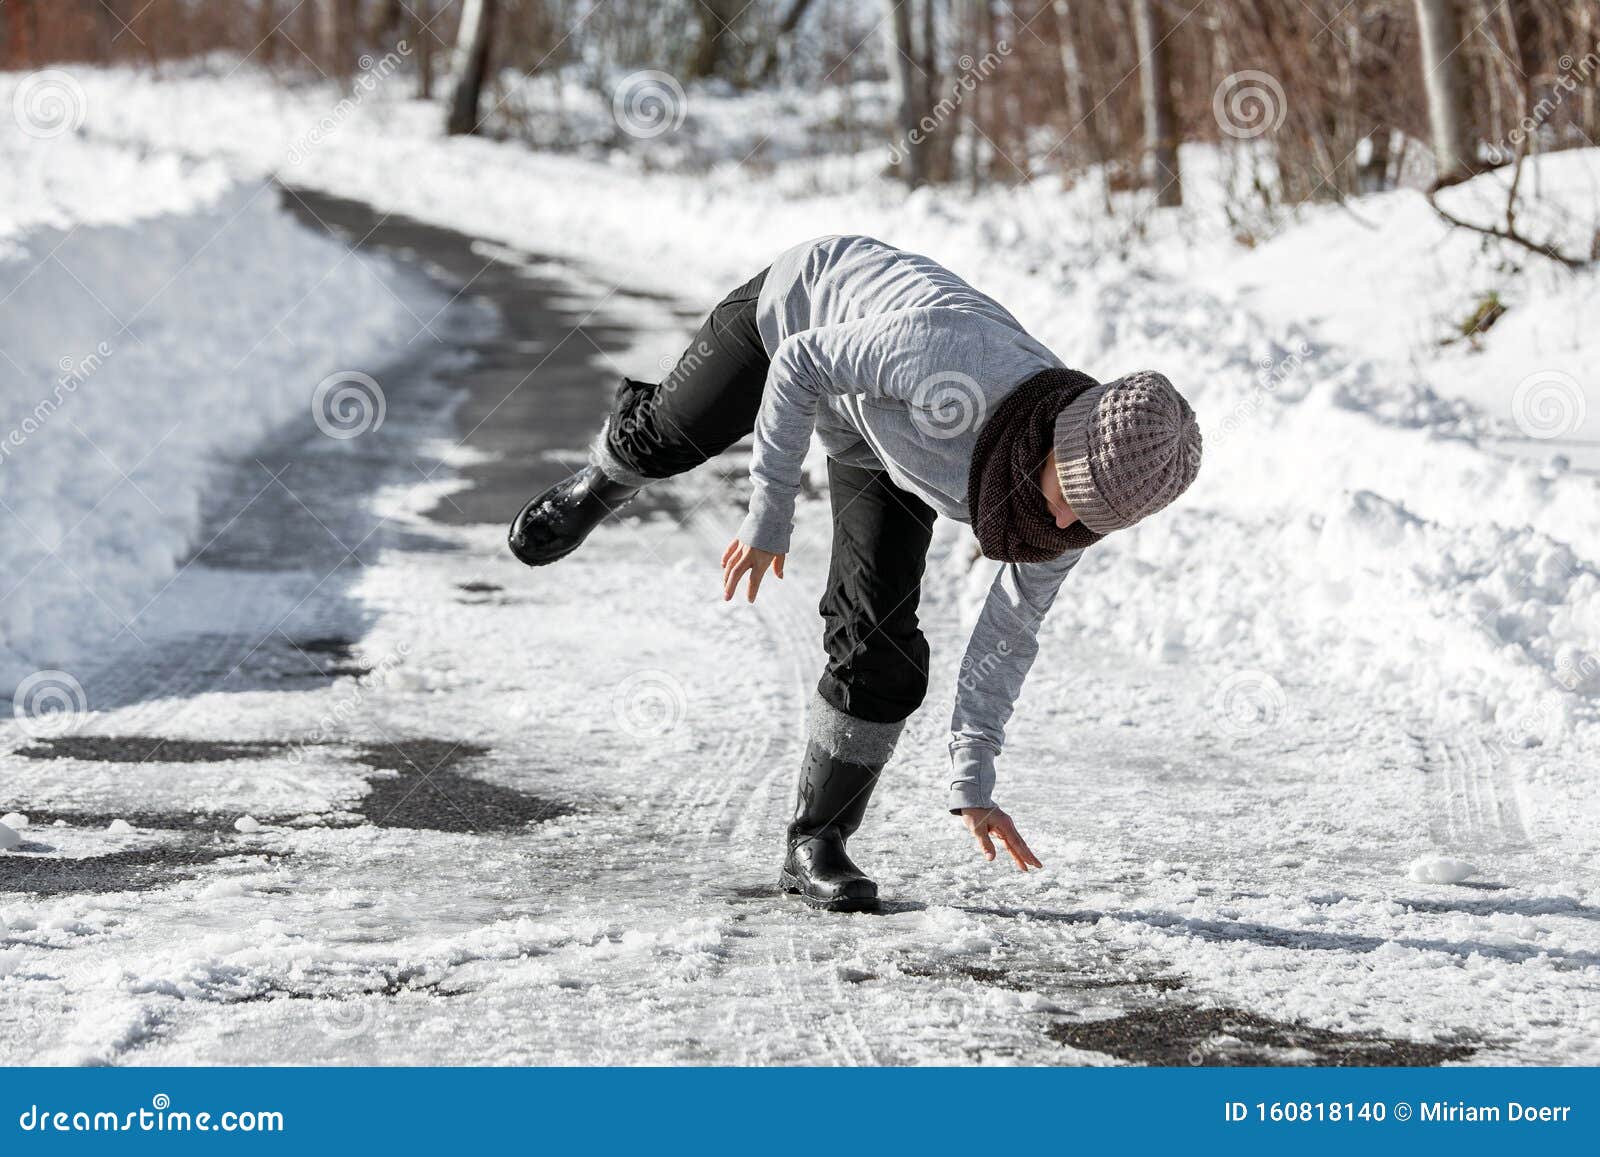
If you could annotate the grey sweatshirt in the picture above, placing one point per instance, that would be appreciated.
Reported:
(894, 361)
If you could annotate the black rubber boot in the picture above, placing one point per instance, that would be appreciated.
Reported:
(554, 524)
(833, 798)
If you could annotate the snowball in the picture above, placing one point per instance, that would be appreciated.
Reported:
(119, 828)
(1441, 870)
(14, 820)
(247, 824)
(9, 840)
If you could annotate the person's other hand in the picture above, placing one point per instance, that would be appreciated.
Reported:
(740, 559)
(988, 824)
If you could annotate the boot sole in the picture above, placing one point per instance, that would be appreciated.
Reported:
(543, 560)
(790, 885)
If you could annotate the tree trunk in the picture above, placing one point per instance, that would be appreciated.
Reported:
(909, 145)
(336, 35)
(423, 44)
(772, 50)
(1160, 120)
(1079, 112)
(711, 48)
(941, 139)
(470, 65)
(1443, 77)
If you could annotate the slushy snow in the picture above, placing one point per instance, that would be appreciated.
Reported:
(1363, 646)
(1441, 870)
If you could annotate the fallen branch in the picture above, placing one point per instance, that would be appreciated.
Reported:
(1509, 233)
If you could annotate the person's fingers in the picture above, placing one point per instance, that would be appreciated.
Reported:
(727, 554)
(757, 572)
(777, 566)
(1017, 846)
(730, 579)
(1011, 841)
(985, 842)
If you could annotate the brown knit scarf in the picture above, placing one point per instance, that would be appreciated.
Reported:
(1008, 513)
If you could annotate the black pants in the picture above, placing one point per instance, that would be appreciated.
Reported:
(877, 657)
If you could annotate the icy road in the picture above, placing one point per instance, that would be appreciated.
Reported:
(356, 787)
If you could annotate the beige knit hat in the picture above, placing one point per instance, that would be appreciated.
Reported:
(1126, 449)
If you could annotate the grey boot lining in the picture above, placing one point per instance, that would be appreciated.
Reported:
(601, 457)
(850, 739)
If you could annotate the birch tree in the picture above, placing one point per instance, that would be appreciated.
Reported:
(1443, 77)
(1155, 92)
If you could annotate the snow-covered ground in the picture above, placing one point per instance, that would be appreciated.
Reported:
(1275, 730)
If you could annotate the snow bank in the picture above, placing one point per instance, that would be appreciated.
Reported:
(158, 315)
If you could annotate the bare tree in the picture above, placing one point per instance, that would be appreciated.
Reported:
(767, 63)
(908, 93)
(336, 35)
(426, 45)
(470, 65)
(1443, 76)
(711, 48)
(1074, 82)
(1160, 118)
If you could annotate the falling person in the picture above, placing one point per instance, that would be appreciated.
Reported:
(929, 398)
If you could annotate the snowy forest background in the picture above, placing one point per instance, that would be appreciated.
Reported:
(1346, 97)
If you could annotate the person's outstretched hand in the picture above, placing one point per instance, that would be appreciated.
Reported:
(990, 823)
(738, 559)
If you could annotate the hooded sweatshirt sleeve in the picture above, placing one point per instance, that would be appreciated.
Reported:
(999, 653)
(898, 354)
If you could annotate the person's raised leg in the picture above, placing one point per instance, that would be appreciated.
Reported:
(706, 404)
(877, 675)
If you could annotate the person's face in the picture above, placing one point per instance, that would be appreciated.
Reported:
(1050, 487)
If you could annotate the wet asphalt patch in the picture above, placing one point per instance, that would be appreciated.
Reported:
(421, 787)
(1180, 1035)
(427, 793)
(132, 870)
(149, 748)
(1039, 979)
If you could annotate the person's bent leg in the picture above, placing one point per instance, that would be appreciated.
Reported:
(708, 402)
(877, 675)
